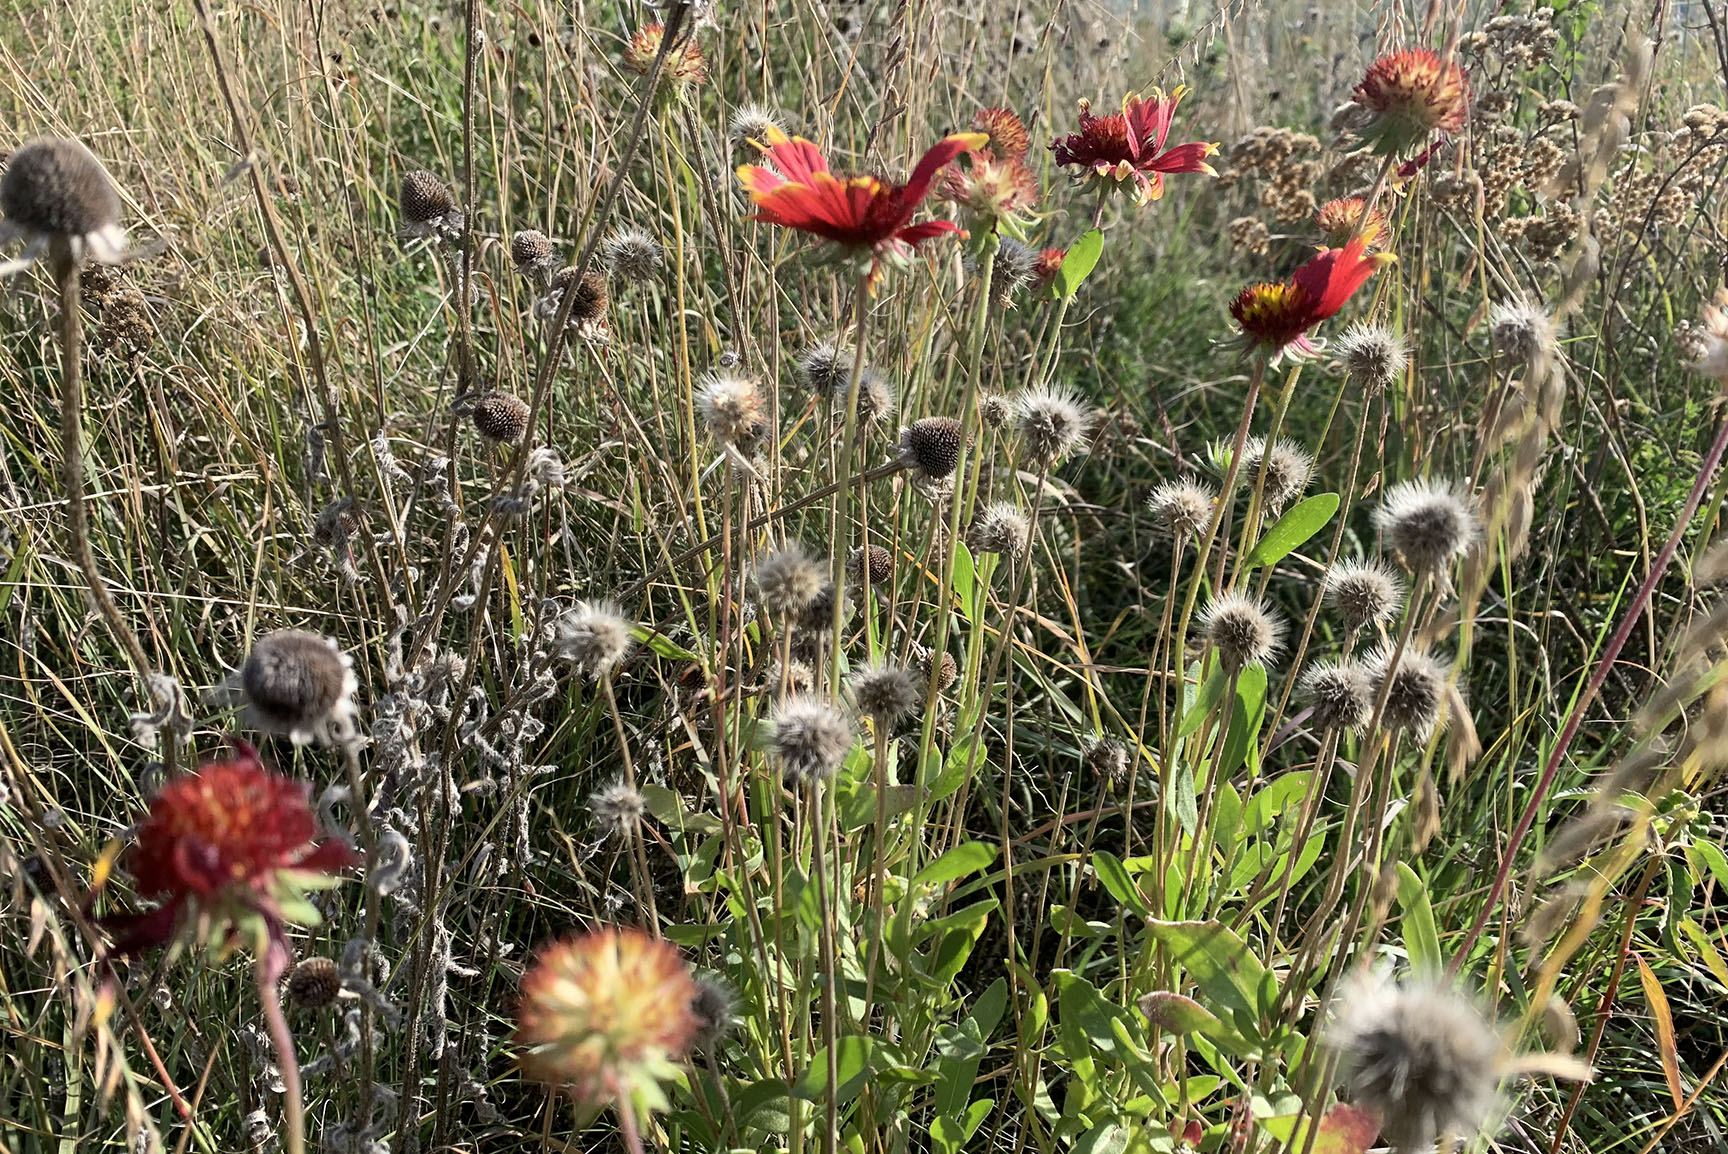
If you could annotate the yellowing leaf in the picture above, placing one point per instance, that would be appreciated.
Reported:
(1664, 1030)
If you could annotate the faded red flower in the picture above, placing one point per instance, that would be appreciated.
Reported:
(685, 63)
(235, 845)
(606, 1015)
(1049, 264)
(1278, 316)
(994, 192)
(1408, 96)
(1341, 219)
(1008, 135)
(1130, 146)
(865, 217)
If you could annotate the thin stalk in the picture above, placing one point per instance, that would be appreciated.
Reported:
(293, 1114)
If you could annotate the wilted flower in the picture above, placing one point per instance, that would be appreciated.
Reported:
(428, 208)
(1052, 424)
(633, 255)
(809, 738)
(1373, 356)
(685, 63)
(1130, 146)
(594, 637)
(787, 581)
(299, 684)
(931, 446)
(1340, 220)
(1007, 132)
(501, 417)
(1340, 695)
(1276, 317)
(55, 190)
(1014, 267)
(1408, 96)
(1429, 524)
(1363, 593)
(1242, 629)
(885, 693)
(1182, 508)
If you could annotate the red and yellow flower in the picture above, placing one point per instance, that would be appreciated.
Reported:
(1276, 317)
(996, 188)
(233, 846)
(1007, 132)
(1408, 96)
(1130, 146)
(864, 217)
(1349, 216)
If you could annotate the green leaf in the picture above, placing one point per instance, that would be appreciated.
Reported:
(1187, 800)
(1210, 691)
(965, 583)
(1178, 1013)
(660, 644)
(1421, 938)
(1217, 960)
(1114, 875)
(1082, 258)
(854, 1068)
(963, 860)
(1302, 521)
(1713, 859)
(1245, 719)
(669, 809)
(962, 761)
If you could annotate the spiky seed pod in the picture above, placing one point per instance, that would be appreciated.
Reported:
(1415, 690)
(1429, 524)
(950, 669)
(735, 411)
(932, 445)
(787, 581)
(1340, 695)
(428, 208)
(881, 563)
(825, 369)
(617, 810)
(54, 189)
(1107, 758)
(875, 396)
(594, 636)
(1182, 509)
(1363, 593)
(751, 124)
(314, 983)
(1521, 331)
(715, 1008)
(1243, 630)
(1288, 468)
(633, 255)
(1421, 1056)
(589, 306)
(1016, 267)
(1000, 528)
(1052, 425)
(818, 616)
(501, 417)
(809, 738)
(885, 693)
(299, 684)
(533, 254)
(995, 410)
(1372, 356)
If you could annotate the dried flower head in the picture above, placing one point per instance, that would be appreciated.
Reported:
(809, 738)
(826, 369)
(1340, 695)
(1363, 593)
(299, 684)
(881, 565)
(1107, 759)
(633, 255)
(995, 410)
(685, 63)
(949, 669)
(1711, 356)
(607, 1015)
(533, 254)
(1243, 630)
(594, 636)
(735, 411)
(1408, 96)
(1522, 331)
(501, 417)
(715, 1008)
(931, 445)
(617, 810)
(1429, 524)
(314, 983)
(1286, 465)
(752, 124)
(875, 397)
(1182, 509)
(1014, 268)
(787, 581)
(1052, 424)
(1415, 690)
(428, 208)
(1000, 528)
(885, 693)
(1372, 356)
(1349, 216)
(55, 190)
(1008, 135)
(589, 299)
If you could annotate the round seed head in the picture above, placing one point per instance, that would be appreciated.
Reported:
(1288, 468)
(885, 693)
(787, 581)
(501, 417)
(533, 253)
(1363, 593)
(1522, 331)
(314, 983)
(1051, 424)
(1243, 630)
(881, 563)
(299, 684)
(818, 616)
(1372, 356)
(751, 123)
(1182, 508)
(809, 738)
(950, 669)
(1415, 690)
(633, 255)
(617, 810)
(875, 397)
(1107, 758)
(735, 411)
(932, 445)
(425, 198)
(1016, 267)
(1421, 1056)
(715, 1008)
(995, 410)
(1000, 528)
(594, 637)
(1341, 695)
(590, 301)
(1429, 524)
(54, 187)
(826, 369)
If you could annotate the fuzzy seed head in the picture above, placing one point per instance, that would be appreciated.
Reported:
(932, 445)
(1182, 509)
(885, 693)
(1363, 593)
(591, 297)
(533, 253)
(1243, 630)
(788, 581)
(1429, 524)
(633, 255)
(1709, 339)
(880, 562)
(818, 616)
(1521, 331)
(299, 684)
(1016, 266)
(995, 410)
(1288, 469)
(594, 637)
(1340, 694)
(1421, 1056)
(425, 198)
(501, 417)
(826, 369)
(54, 187)
(314, 983)
(751, 123)
(1000, 528)
(1372, 356)
(875, 397)
(1107, 758)
(735, 411)
(715, 1008)
(1052, 424)
(809, 739)
(617, 810)
(1415, 690)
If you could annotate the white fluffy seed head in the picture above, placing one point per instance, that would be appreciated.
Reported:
(633, 255)
(885, 693)
(995, 410)
(788, 581)
(1052, 425)
(1107, 758)
(809, 738)
(734, 410)
(1415, 690)
(751, 123)
(825, 369)
(1340, 695)
(1000, 528)
(875, 396)
(617, 810)
(1244, 630)
(1363, 593)
(55, 187)
(1522, 331)
(299, 684)
(1288, 467)
(1182, 508)
(1429, 524)
(1372, 356)
(594, 637)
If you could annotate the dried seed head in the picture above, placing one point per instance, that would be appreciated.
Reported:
(1363, 593)
(715, 1009)
(1708, 339)
(950, 669)
(1372, 356)
(826, 369)
(1000, 528)
(314, 983)
(1522, 331)
(875, 397)
(1243, 630)
(1016, 266)
(617, 810)
(533, 254)
(589, 306)
(1288, 468)
(1340, 695)
(633, 255)
(752, 124)
(54, 188)
(787, 581)
(428, 208)
(735, 411)
(501, 417)
(1422, 1057)
(594, 636)
(1052, 425)
(809, 738)
(1429, 524)
(995, 410)
(881, 563)
(818, 616)
(299, 684)
(1415, 690)
(885, 693)
(1107, 758)
(932, 446)
(1182, 509)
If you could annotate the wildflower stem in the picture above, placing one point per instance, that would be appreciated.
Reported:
(293, 1118)
(840, 528)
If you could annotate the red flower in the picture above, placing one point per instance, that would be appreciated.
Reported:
(1341, 219)
(993, 191)
(1049, 264)
(235, 844)
(1131, 145)
(1008, 136)
(1407, 96)
(1278, 316)
(863, 216)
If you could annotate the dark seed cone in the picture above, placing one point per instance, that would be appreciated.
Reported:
(950, 669)
(591, 296)
(881, 563)
(314, 984)
(531, 250)
(55, 187)
(425, 198)
(501, 417)
(932, 445)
